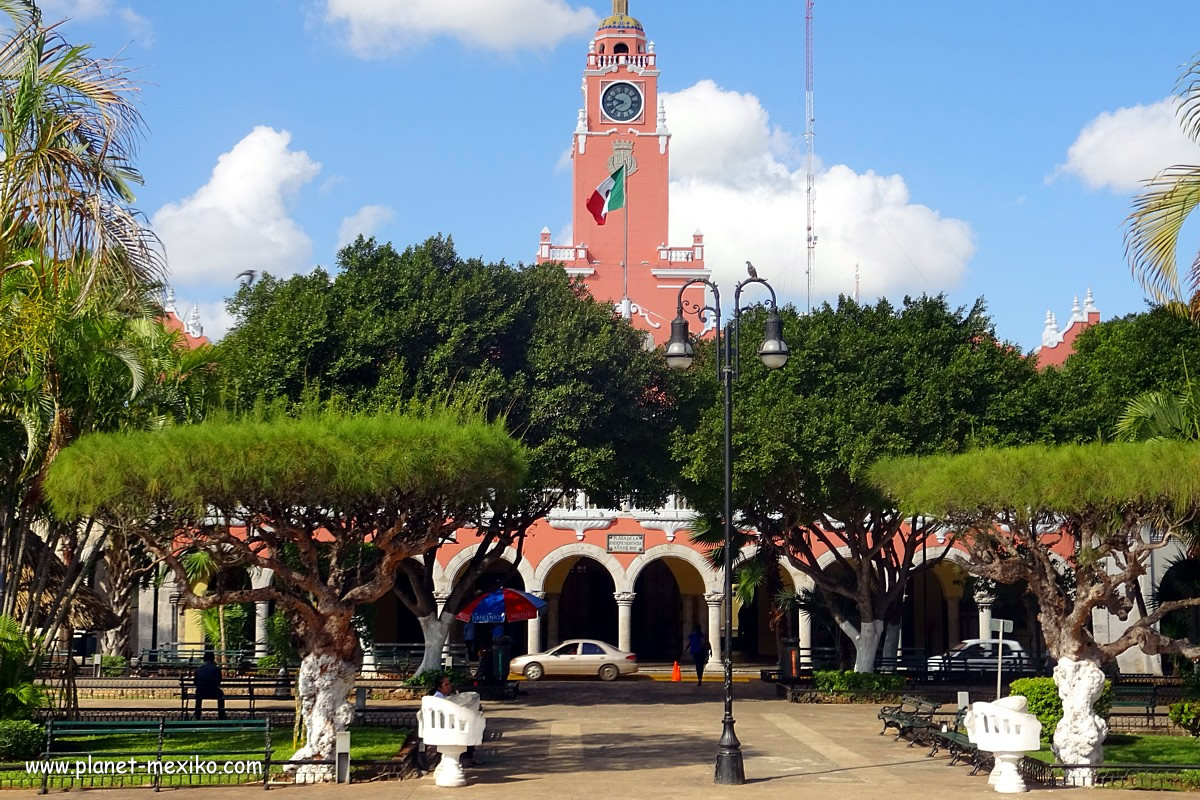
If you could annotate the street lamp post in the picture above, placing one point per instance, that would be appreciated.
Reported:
(774, 354)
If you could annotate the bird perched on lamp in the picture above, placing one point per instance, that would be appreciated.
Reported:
(750, 268)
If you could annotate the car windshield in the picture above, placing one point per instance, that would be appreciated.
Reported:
(958, 648)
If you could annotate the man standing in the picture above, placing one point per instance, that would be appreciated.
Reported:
(207, 682)
(701, 650)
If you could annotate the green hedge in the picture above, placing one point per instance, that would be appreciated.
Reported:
(848, 681)
(113, 666)
(20, 739)
(1045, 704)
(428, 679)
(1187, 716)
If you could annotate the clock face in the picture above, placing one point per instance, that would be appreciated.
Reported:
(621, 101)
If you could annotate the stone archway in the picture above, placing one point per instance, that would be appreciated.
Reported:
(580, 582)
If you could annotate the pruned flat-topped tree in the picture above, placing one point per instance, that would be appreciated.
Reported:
(1097, 510)
(329, 504)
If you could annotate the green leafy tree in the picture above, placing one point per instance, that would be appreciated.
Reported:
(347, 497)
(862, 382)
(528, 345)
(1103, 509)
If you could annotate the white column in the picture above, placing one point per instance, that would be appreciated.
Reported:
(260, 579)
(804, 633)
(985, 617)
(552, 620)
(534, 631)
(440, 598)
(624, 620)
(714, 600)
(952, 626)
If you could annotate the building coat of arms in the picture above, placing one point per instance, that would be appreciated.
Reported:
(622, 157)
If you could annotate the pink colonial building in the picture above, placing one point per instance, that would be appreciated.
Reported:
(632, 576)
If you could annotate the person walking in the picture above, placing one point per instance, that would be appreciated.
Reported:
(701, 650)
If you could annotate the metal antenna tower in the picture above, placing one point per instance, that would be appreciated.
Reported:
(809, 135)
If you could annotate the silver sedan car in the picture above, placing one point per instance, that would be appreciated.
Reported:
(577, 657)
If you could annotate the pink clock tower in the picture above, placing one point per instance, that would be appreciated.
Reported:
(623, 123)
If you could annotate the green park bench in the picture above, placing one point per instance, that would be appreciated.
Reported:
(913, 716)
(1136, 695)
(63, 742)
(953, 737)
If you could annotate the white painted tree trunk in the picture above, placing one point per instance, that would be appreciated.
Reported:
(866, 638)
(436, 629)
(323, 685)
(1079, 737)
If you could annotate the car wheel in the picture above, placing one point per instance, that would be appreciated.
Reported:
(609, 673)
(534, 671)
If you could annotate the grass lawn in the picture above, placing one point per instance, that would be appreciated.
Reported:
(369, 744)
(1127, 749)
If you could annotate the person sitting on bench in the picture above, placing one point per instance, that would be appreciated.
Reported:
(207, 681)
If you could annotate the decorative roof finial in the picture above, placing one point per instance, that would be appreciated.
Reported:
(1076, 314)
(194, 328)
(1089, 303)
(169, 301)
(1050, 332)
(621, 7)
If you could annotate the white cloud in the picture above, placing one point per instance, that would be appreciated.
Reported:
(1121, 149)
(239, 219)
(732, 177)
(381, 27)
(138, 26)
(365, 221)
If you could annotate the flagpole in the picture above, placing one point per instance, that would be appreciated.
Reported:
(625, 277)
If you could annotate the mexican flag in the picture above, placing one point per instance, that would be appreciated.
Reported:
(609, 196)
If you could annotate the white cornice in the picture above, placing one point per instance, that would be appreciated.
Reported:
(667, 272)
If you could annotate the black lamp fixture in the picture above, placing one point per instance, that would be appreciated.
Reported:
(730, 769)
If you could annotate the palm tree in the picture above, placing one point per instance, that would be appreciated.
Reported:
(1159, 213)
(68, 132)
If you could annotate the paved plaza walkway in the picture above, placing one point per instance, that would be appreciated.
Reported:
(647, 739)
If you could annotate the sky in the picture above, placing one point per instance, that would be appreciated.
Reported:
(980, 149)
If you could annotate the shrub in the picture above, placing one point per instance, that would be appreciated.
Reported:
(20, 739)
(113, 666)
(273, 662)
(1187, 716)
(1046, 705)
(850, 682)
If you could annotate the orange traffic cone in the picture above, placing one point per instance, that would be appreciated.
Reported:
(675, 676)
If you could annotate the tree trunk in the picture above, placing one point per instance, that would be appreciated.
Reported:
(119, 589)
(866, 639)
(435, 629)
(324, 683)
(1079, 737)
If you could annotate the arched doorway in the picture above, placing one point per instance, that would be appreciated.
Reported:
(1181, 581)
(668, 601)
(760, 623)
(581, 601)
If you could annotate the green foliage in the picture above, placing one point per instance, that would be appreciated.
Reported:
(271, 662)
(281, 639)
(1162, 476)
(1046, 705)
(528, 344)
(1186, 714)
(1113, 363)
(113, 666)
(19, 694)
(850, 682)
(233, 616)
(427, 680)
(330, 461)
(20, 739)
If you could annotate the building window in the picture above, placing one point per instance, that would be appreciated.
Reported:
(621, 48)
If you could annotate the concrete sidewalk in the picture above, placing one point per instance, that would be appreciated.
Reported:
(653, 740)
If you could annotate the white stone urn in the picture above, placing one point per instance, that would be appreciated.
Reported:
(1007, 731)
(453, 724)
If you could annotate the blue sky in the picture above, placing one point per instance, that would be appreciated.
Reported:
(976, 148)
